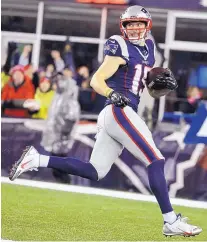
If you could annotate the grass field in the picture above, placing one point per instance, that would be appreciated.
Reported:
(39, 214)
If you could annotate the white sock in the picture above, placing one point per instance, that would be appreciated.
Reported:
(44, 160)
(169, 217)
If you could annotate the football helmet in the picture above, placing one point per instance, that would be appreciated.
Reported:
(136, 14)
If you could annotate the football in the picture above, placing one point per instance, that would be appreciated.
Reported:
(152, 74)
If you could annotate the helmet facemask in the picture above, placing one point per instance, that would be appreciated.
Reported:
(135, 35)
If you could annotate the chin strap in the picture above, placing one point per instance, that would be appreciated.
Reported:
(140, 42)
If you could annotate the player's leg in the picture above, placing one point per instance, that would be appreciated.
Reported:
(129, 129)
(32, 160)
(106, 151)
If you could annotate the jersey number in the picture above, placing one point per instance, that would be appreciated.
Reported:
(139, 78)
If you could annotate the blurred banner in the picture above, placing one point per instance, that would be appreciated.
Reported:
(175, 4)
(185, 169)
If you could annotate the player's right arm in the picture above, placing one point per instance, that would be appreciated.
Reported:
(107, 69)
(114, 57)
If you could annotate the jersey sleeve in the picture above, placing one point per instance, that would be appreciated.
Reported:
(116, 46)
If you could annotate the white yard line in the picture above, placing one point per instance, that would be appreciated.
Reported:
(101, 192)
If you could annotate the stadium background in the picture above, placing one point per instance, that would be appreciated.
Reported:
(180, 33)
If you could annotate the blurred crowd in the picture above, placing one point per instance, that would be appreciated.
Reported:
(187, 97)
(28, 92)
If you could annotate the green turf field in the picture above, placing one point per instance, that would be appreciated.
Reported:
(39, 214)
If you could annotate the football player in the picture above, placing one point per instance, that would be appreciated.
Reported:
(121, 78)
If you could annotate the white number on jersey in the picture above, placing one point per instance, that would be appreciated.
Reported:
(139, 78)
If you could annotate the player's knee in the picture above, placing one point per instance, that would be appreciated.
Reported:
(101, 176)
(102, 171)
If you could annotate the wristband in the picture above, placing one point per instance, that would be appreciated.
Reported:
(108, 91)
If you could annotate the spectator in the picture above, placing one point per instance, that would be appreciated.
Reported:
(49, 72)
(41, 73)
(6, 68)
(58, 61)
(16, 92)
(67, 73)
(194, 95)
(68, 57)
(44, 95)
(63, 114)
(32, 74)
(25, 56)
(22, 56)
(4, 79)
(82, 77)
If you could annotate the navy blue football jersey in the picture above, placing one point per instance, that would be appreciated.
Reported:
(130, 78)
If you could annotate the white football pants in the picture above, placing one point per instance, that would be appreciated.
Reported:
(119, 128)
